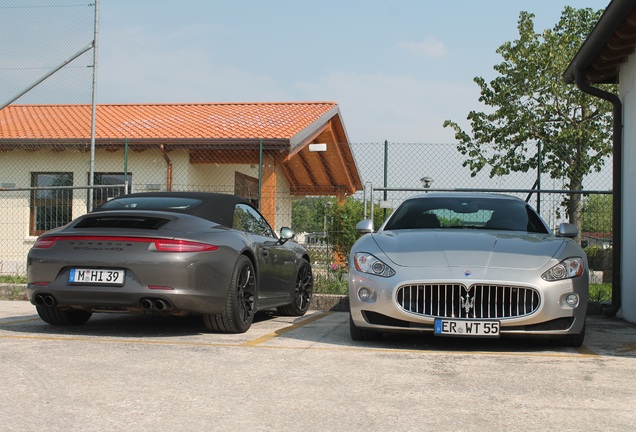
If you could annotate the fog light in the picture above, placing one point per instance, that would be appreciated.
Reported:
(366, 295)
(572, 300)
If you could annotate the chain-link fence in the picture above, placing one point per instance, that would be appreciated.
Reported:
(45, 183)
(45, 51)
(46, 58)
(394, 171)
(44, 186)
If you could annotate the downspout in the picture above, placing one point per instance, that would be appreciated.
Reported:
(164, 153)
(617, 187)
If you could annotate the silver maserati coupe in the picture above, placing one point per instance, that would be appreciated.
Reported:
(173, 253)
(468, 265)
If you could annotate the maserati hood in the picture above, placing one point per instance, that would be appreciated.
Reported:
(481, 249)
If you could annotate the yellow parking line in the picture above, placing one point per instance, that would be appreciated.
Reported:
(625, 348)
(582, 351)
(436, 351)
(8, 323)
(101, 340)
(257, 343)
(586, 351)
(270, 336)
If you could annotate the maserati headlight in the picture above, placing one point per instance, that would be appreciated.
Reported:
(566, 269)
(367, 263)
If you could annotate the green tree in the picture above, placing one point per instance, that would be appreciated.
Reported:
(597, 214)
(531, 105)
(342, 220)
(308, 213)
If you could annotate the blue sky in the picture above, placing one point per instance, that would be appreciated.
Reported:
(397, 68)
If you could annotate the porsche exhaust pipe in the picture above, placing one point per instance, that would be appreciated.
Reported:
(44, 300)
(146, 304)
(160, 305)
(150, 304)
(39, 300)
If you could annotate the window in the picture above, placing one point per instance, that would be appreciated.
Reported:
(101, 195)
(246, 187)
(50, 208)
(249, 220)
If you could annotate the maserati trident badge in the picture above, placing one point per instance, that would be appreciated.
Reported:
(467, 302)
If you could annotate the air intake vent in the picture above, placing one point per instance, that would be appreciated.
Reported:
(476, 301)
(150, 223)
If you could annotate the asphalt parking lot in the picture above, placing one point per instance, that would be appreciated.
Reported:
(134, 373)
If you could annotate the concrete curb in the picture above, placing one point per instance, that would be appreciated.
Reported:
(326, 302)
(330, 302)
(12, 291)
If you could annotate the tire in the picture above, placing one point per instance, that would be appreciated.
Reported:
(55, 316)
(303, 291)
(238, 314)
(573, 340)
(362, 334)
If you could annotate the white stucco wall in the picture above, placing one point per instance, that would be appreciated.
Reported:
(627, 90)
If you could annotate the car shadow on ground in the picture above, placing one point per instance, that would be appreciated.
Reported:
(120, 325)
(605, 336)
(459, 344)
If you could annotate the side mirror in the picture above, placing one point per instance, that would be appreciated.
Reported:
(365, 226)
(567, 230)
(286, 234)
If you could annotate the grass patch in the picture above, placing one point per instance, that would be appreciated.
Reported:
(13, 279)
(600, 292)
(12, 288)
(330, 284)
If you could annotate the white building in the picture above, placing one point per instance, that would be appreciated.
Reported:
(607, 56)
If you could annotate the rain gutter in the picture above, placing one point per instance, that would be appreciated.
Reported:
(613, 16)
(164, 153)
(617, 188)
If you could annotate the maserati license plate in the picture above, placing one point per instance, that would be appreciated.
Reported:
(449, 327)
(97, 276)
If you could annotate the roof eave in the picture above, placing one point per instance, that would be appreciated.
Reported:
(305, 136)
(612, 17)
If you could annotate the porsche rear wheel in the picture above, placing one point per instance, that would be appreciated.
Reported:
(238, 314)
(55, 316)
(303, 291)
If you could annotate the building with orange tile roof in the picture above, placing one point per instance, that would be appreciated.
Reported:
(257, 150)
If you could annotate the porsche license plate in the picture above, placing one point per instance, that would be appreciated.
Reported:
(97, 276)
(449, 327)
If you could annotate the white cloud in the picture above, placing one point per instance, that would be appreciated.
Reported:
(429, 47)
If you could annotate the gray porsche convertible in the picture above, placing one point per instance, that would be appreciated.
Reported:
(468, 265)
(174, 253)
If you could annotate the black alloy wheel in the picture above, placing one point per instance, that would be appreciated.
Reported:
(303, 291)
(239, 310)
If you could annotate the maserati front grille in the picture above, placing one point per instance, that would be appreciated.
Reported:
(475, 301)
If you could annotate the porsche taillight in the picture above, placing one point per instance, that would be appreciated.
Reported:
(182, 246)
(44, 242)
(162, 245)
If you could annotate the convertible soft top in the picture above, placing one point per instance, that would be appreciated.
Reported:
(215, 207)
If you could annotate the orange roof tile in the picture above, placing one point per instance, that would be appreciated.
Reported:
(160, 121)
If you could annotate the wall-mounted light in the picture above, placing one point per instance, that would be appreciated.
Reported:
(320, 147)
(8, 185)
(153, 187)
(426, 182)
